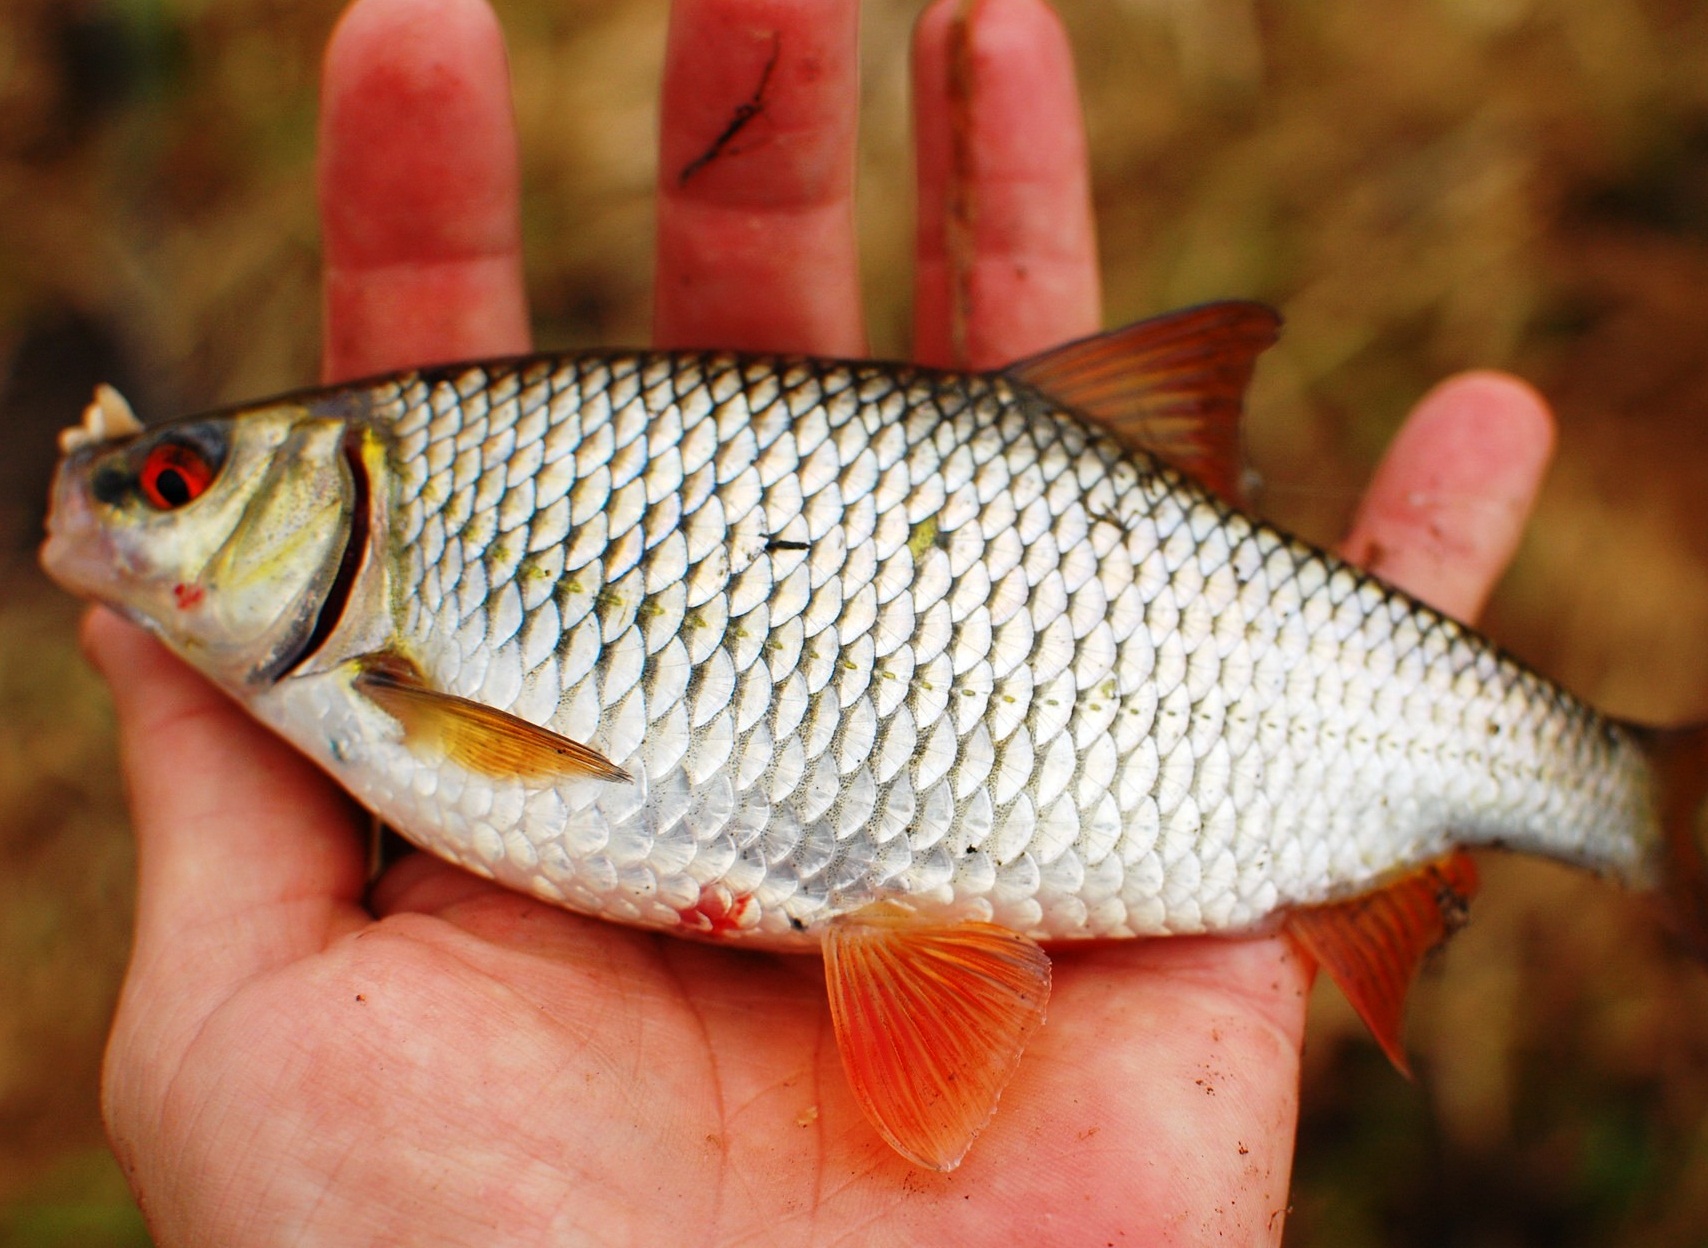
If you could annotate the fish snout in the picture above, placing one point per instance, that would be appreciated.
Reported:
(76, 547)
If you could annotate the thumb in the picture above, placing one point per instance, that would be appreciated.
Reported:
(247, 856)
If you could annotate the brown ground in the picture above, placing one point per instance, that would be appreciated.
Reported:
(1421, 186)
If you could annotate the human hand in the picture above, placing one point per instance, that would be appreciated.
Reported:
(447, 1062)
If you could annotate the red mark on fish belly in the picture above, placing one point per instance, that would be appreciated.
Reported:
(718, 912)
(187, 595)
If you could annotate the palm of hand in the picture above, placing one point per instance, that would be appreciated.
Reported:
(475, 1060)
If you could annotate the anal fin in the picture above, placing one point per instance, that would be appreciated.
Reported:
(471, 734)
(930, 1020)
(1371, 945)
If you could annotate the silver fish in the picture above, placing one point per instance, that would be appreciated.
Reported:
(920, 667)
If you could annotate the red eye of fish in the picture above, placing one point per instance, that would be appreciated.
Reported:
(173, 475)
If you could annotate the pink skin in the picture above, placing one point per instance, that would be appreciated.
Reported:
(756, 216)
(1005, 244)
(419, 183)
(452, 1063)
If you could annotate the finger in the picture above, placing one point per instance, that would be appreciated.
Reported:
(756, 178)
(419, 189)
(1445, 510)
(422, 884)
(247, 856)
(1006, 260)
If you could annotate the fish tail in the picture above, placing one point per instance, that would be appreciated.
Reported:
(1679, 757)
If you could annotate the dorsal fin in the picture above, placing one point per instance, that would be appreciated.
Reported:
(472, 734)
(930, 1020)
(1371, 945)
(107, 419)
(1172, 385)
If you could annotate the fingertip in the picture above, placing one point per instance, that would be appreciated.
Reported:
(1446, 508)
(145, 678)
(1270, 976)
(418, 883)
(420, 183)
(419, 157)
(1504, 416)
(100, 633)
(757, 142)
(1003, 27)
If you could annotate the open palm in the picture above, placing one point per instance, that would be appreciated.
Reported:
(297, 1059)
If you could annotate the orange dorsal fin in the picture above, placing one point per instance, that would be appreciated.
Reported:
(478, 737)
(930, 1020)
(1171, 386)
(1371, 945)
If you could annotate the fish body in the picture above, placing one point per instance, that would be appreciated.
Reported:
(749, 648)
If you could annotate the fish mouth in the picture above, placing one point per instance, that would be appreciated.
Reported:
(78, 553)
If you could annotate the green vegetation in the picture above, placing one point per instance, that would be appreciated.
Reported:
(81, 1203)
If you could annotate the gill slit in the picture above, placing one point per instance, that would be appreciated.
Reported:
(355, 548)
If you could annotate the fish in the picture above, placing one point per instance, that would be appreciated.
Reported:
(919, 669)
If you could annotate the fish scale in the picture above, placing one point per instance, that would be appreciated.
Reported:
(858, 632)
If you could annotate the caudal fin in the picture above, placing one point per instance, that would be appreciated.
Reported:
(1680, 760)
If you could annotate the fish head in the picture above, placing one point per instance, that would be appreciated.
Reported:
(223, 535)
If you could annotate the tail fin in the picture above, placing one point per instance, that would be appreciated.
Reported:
(1680, 760)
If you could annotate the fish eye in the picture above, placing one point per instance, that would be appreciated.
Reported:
(174, 474)
(110, 484)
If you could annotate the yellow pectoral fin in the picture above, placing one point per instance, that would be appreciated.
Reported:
(480, 738)
(1371, 945)
(930, 1021)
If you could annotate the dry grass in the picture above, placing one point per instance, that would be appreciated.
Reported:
(1421, 186)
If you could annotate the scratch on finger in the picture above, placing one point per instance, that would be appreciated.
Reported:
(745, 112)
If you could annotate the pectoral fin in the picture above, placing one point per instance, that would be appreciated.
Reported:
(1371, 945)
(480, 738)
(930, 1020)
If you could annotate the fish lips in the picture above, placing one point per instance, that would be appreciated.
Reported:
(79, 552)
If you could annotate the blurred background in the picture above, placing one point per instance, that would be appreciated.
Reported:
(1421, 186)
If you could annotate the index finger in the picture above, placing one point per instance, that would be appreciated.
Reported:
(419, 189)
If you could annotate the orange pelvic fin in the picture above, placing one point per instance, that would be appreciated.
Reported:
(478, 737)
(1371, 945)
(1171, 386)
(930, 1020)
